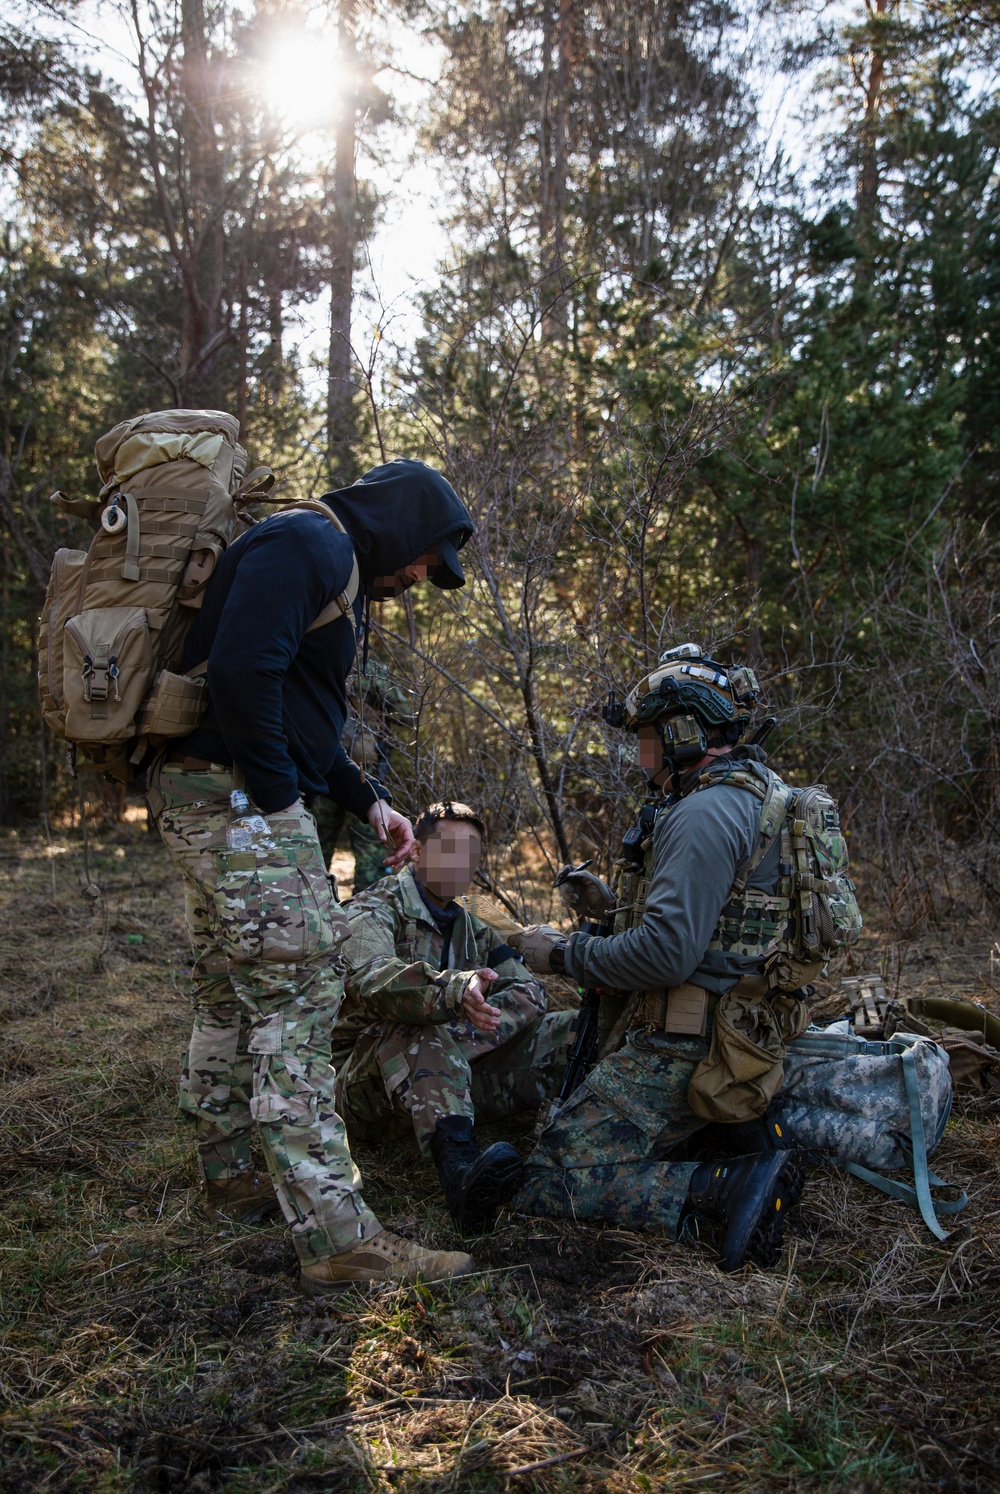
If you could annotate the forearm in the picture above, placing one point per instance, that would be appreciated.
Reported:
(343, 779)
(415, 994)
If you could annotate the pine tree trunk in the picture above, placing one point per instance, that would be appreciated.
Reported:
(868, 167)
(556, 139)
(340, 418)
(204, 231)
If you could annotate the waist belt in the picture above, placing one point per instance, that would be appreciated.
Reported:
(684, 1010)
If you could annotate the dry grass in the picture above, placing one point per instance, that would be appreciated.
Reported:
(143, 1349)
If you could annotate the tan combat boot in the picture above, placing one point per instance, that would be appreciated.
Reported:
(247, 1198)
(384, 1257)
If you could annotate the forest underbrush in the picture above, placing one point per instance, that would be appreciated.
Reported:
(145, 1349)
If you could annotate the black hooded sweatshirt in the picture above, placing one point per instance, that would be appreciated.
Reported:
(278, 692)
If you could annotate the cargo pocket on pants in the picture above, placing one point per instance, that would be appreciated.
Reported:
(268, 909)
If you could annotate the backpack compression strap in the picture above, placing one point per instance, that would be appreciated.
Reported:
(917, 1193)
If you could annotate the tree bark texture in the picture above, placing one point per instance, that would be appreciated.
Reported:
(340, 419)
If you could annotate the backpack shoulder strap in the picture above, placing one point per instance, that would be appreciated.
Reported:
(342, 605)
(776, 799)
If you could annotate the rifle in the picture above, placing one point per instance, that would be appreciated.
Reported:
(583, 1053)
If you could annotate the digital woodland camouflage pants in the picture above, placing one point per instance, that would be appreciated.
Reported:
(400, 1076)
(260, 1048)
(602, 1155)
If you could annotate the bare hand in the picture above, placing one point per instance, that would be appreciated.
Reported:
(395, 830)
(484, 1017)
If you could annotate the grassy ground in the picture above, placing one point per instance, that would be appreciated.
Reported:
(144, 1349)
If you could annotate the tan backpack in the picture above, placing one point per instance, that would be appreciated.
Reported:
(116, 614)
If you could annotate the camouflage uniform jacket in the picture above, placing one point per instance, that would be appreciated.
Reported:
(394, 955)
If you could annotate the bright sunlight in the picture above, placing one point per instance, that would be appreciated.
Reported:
(304, 76)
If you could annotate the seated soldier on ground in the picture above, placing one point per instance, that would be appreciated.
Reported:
(429, 1049)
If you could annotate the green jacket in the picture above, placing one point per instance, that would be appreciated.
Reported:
(394, 961)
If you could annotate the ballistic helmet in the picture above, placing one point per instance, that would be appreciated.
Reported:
(689, 696)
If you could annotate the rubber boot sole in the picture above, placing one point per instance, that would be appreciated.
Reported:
(494, 1177)
(779, 1183)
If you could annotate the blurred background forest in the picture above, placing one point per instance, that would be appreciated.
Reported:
(712, 350)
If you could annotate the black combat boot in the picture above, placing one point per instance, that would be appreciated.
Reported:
(748, 1198)
(475, 1183)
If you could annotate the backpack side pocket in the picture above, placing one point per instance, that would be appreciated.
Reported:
(107, 664)
(61, 601)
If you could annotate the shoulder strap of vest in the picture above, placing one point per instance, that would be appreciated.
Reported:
(342, 605)
(776, 798)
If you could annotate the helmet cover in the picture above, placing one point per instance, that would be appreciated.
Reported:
(687, 682)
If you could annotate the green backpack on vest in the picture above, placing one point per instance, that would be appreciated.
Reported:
(814, 913)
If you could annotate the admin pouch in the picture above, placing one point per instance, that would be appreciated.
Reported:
(116, 615)
(871, 1106)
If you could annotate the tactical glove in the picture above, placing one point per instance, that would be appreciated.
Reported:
(536, 945)
(584, 894)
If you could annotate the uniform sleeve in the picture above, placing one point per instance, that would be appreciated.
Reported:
(698, 847)
(515, 977)
(388, 988)
(343, 781)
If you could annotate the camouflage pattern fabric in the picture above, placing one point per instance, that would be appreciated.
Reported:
(415, 1057)
(401, 1077)
(604, 1154)
(260, 1048)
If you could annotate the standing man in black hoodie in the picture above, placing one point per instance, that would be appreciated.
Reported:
(278, 627)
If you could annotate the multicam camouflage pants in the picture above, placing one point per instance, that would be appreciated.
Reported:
(260, 1048)
(603, 1154)
(400, 1076)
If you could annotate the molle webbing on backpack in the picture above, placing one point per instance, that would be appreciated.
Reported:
(814, 911)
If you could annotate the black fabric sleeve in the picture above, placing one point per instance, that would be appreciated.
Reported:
(344, 784)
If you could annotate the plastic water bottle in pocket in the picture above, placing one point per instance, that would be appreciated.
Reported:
(247, 830)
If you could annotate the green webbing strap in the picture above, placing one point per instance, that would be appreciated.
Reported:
(906, 1193)
(923, 1178)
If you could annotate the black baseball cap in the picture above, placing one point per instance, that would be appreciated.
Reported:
(448, 573)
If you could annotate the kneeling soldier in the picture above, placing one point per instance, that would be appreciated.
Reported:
(709, 918)
(460, 1027)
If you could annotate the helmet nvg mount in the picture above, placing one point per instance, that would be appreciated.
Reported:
(687, 696)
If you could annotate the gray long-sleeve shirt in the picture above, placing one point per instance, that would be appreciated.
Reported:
(697, 847)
